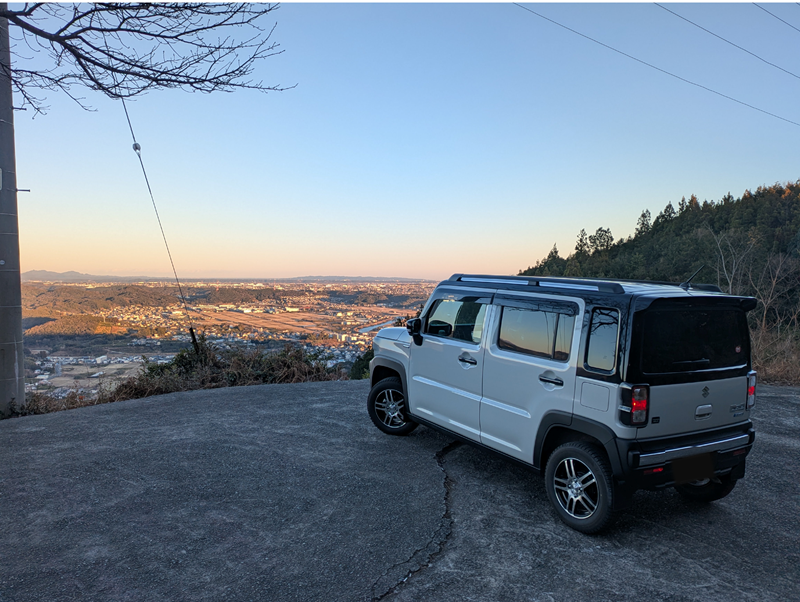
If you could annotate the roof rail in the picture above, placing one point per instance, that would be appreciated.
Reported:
(575, 284)
(698, 287)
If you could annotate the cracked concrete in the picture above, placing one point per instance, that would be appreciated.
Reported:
(426, 556)
(507, 543)
(278, 492)
(288, 492)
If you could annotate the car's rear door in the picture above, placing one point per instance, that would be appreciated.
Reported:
(695, 355)
(529, 368)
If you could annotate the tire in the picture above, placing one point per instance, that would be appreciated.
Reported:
(707, 490)
(578, 482)
(386, 406)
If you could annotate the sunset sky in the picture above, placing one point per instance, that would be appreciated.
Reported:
(421, 140)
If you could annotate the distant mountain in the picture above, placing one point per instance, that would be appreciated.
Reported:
(344, 279)
(47, 276)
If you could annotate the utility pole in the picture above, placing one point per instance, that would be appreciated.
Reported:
(12, 363)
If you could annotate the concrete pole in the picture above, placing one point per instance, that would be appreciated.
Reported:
(12, 363)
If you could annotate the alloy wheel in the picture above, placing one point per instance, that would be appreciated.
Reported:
(389, 408)
(576, 488)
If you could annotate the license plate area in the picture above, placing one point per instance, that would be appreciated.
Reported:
(693, 468)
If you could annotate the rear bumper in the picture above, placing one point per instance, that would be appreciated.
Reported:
(658, 463)
(638, 459)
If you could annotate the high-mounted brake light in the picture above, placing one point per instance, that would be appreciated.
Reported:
(639, 398)
(751, 389)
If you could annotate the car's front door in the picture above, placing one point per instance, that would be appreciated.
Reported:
(446, 369)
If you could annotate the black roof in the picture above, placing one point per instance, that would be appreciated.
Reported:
(578, 285)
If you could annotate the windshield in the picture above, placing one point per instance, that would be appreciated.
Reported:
(682, 339)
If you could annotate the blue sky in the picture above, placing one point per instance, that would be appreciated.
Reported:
(421, 140)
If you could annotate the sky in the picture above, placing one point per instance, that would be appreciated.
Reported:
(421, 140)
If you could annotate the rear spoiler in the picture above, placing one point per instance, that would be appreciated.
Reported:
(745, 303)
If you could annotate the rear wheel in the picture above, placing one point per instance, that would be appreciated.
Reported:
(386, 406)
(578, 480)
(707, 490)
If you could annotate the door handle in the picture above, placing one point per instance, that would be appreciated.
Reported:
(468, 360)
(551, 381)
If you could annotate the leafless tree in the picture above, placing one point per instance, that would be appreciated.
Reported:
(774, 286)
(733, 252)
(121, 50)
(124, 50)
(775, 324)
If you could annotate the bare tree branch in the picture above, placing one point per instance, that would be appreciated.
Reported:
(733, 250)
(124, 50)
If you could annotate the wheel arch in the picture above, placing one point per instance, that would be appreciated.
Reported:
(381, 367)
(557, 428)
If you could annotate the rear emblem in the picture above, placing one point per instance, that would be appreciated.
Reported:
(705, 391)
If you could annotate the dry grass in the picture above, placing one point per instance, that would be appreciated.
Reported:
(776, 355)
(42, 403)
(190, 370)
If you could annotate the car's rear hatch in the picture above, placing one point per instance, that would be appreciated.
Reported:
(694, 353)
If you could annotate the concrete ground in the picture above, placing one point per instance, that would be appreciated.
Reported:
(288, 492)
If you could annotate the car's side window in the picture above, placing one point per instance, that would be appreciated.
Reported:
(535, 332)
(457, 319)
(566, 326)
(601, 350)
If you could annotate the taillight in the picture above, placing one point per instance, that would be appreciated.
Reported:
(635, 401)
(751, 389)
(639, 395)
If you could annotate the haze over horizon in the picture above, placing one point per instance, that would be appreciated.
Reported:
(35, 275)
(422, 140)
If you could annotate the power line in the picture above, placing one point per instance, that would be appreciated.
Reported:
(683, 79)
(138, 149)
(776, 16)
(728, 41)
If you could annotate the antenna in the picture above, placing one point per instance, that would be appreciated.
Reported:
(685, 285)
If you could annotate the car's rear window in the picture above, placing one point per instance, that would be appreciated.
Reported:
(682, 339)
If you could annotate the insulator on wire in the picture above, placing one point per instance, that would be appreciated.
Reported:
(137, 147)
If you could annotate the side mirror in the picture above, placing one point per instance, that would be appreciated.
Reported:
(440, 328)
(414, 326)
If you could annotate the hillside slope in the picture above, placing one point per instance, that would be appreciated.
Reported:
(747, 246)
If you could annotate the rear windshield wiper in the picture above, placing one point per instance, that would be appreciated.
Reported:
(691, 363)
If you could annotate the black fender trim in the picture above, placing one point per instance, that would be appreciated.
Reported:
(581, 425)
(549, 420)
(395, 366)
(623, 489)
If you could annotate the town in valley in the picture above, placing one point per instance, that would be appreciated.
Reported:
(84, 334)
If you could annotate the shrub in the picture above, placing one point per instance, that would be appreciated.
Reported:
(210, 368)
(190, 369)
(44, 403)
(360, 369)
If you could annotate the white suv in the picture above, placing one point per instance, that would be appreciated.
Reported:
(605, 386)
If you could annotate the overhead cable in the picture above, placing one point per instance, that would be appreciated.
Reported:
(777, 17)
(683, 79)
(138, 150)
(727, 41)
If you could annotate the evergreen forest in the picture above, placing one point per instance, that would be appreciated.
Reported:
(747, 246)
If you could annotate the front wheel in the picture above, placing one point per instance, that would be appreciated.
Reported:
(386, 406)
(578, 481)
(707, 490)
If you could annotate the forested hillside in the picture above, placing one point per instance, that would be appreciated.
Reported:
(748, 245)
(54, 300)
